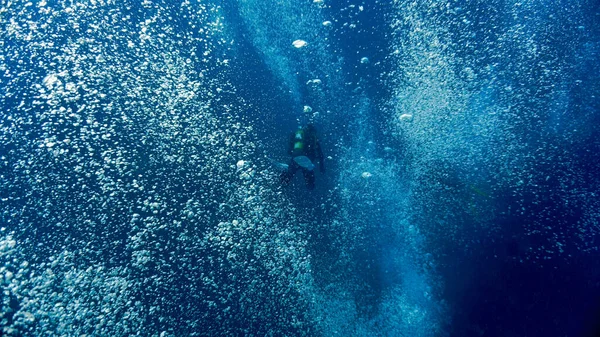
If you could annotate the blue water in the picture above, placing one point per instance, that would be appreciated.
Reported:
(460, 196)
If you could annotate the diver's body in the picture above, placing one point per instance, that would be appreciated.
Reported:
(304, 144)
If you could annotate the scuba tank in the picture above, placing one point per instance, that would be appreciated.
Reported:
(299, 143)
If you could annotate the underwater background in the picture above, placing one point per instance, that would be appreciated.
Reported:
(461, 192)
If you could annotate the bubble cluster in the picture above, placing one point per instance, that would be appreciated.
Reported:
(126, 206)
(389, 284)
(482, 142)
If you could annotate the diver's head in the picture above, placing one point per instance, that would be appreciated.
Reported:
(309, 115)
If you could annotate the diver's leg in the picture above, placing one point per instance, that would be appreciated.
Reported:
(287, 175)
(309, 177)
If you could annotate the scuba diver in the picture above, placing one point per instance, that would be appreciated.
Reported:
(304, 148)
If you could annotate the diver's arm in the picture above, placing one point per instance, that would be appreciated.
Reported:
(320, 157)
(291, 144)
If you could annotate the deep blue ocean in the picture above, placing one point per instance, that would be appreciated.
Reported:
(141, 145)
